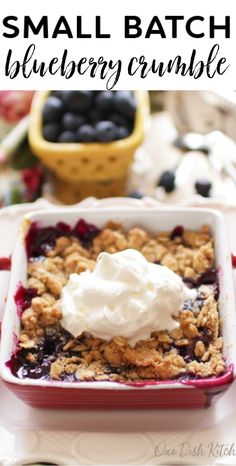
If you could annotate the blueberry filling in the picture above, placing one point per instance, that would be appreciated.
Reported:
(207, 278)
(23, 298)
(177, 231)
(187, 352)
(48, 349)
(39, 240)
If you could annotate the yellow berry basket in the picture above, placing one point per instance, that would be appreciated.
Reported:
(96, 162)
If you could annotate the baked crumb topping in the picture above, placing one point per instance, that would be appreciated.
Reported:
(194, 349)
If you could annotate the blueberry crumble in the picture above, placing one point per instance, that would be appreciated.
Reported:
(47, 351)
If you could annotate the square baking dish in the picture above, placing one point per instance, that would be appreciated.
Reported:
(191, 393)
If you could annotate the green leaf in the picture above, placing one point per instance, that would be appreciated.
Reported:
(23, 157)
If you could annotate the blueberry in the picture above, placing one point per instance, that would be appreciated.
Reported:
(122, 132)
(52, 110)
(51, 132)
(71, 122)
(126, 94)
(136, 194)
(167, 181)
(94, 116)
(106, 131)
(104, 100)
(58, 94)
(86, 133)
(119, 120)
(67, 136)
(78, 101)
(125, 103)
(62, 95)
(203, 187)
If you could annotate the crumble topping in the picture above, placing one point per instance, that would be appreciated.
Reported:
(194, 349)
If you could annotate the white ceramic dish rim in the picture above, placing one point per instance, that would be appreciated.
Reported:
(60, 214)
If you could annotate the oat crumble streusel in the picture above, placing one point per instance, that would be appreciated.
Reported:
(194, 350)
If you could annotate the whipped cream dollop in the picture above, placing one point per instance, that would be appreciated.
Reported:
(125, 296)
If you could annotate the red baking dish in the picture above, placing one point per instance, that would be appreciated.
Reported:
(189, 393)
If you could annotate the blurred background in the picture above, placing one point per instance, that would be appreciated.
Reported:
(173, 146)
